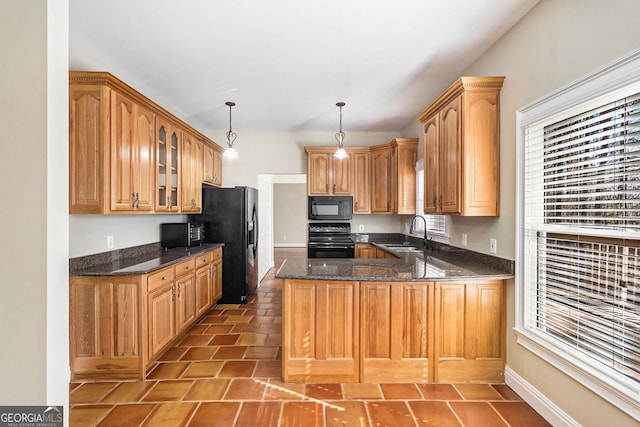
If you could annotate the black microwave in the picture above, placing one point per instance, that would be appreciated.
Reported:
(330, 208)
(181, 234)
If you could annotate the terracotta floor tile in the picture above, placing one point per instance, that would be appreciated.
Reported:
(274, 339)
(196, 340)
(430, 413)
(252, 339)
(219, 329)
(127, 415)
(171, 414)
(506, 392)
(400, 391)
(173, 354)
(168, 371)
(227, 306)
(245, 389)
(198, 329)
(234, 312)
(384, 413)
(238, 319)
(203, 369)
(477, 392)
(477, 414)
(277, 390)
(362, 391)
(268, 414)
(302, 414)
(324, 391)
(261, 352)
(439, 392)
(73, 386)
(230, 352)
(224, 339)
(207, 389)
(129, 392)
(215, 414)
(245, 327)
(91, 392)
(274, 312)
(270, 328)
(519, 414)
(87, 415)
(199, 353)
(214, 320)
(346, 413)
(237, 368)
(262, 319)
(269, 369)
(165, 391)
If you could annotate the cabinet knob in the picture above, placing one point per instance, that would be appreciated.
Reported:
(441, 202)
(164, 277)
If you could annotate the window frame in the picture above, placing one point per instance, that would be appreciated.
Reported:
(613, 78)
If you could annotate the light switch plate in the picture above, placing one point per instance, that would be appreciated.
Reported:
(110, 242)
(493, 246)
(464, 239)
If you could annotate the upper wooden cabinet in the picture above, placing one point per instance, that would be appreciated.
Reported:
(361, 180)
(125, 151)
(393, 167)
(326, 174)
(191, 177)
(462, 148)
(212, 164)
(381, 185)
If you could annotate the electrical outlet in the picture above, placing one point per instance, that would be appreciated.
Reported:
(361, 227)
(464, 239)
(110, 242)
(493, 246)
(284, 238)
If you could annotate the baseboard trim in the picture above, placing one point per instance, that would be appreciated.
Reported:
(289, 245)
(538, 401)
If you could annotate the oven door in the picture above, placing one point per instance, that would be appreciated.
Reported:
(330, 250)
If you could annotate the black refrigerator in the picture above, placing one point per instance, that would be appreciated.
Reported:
(230, 216)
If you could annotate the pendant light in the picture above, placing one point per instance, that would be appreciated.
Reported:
(230, 152)
(340, 152)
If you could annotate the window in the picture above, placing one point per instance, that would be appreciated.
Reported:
(579, 231)
(436, 224)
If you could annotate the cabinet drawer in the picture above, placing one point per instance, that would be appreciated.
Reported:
(160, 278)
(216, 254)
(185, 267)
(202, 260)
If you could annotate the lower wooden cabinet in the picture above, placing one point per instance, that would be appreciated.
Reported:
(365, 250)
(118, 325)
(321, 345)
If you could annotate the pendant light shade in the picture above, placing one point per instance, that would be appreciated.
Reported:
(340, 152)
(230, 152)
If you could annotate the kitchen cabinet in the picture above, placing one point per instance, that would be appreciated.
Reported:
(119, 325)
(382, 254)
(191, 173)
(326, 174)
(461, 150)
(125, 152)
(396, 329)
(381, 185)
(321, 345)
(167, 165)
(212, 164)
(469, 332)
(361, 180)
(393, 179)
(365, 250)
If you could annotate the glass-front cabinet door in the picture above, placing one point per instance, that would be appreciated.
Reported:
(167, 169)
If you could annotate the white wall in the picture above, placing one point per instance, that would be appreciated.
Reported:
(556, 43)
(34, 363)
(289, 221)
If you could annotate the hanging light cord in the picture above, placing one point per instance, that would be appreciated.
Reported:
(231, 136)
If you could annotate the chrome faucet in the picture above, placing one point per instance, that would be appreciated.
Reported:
(425, 240)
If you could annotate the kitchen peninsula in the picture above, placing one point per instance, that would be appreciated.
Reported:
(434, 315)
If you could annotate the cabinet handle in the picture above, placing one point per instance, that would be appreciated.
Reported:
(179, 289)
(173, 293)
(136, 199)
(441, 202)
(164, 277)
(334, 188)
(326, 187)
(435, 201)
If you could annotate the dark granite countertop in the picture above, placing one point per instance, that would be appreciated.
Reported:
(442, 263)
(147, 262)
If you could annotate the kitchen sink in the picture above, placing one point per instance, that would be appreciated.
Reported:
(403, 247)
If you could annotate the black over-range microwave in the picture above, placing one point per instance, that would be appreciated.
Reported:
(330, 208)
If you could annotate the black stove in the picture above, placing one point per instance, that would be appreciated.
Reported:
(330, 240)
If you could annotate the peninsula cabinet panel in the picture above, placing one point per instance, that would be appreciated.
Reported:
(396, 331)
(361, 182)
(104, 327)
(320, 331)
(470, 332)
(461, 150)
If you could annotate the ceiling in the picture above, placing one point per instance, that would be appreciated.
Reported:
(286, 63)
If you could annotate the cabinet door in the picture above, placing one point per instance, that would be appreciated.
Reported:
(362, 183)
(341, 176)
(168, 137)
(216, 281)
(217, 167)
(208, 164)
(431, 173)
(161, 318)
(381, 180)
(185, 302)
(144, 159)
(320, 331)
(470, 332)
(191, 173)
(405, 194)
(88, 149)
(319, 173)
(395, 332)
(365, 251)
(449, 161)
(203, 289)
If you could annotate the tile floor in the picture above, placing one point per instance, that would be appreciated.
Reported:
(226, 372)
